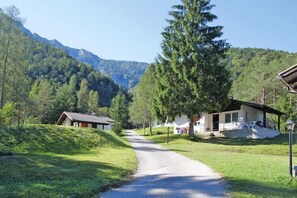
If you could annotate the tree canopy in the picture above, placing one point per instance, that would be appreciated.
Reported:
(191, 74)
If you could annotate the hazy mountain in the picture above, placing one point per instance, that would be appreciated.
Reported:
(124, 73)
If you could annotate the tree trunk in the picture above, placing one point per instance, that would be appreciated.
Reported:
(143, 126)
(4, 76)
(150, 123)
(274, 97)
(263, 96)
(191, 127)
(5, 65)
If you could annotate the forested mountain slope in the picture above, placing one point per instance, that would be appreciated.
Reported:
(124, 73)
(255, 73)
(39, 81)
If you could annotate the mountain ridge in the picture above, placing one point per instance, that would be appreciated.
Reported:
(124, 73)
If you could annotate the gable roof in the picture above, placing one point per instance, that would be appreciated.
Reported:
(289, 78)
(78, 117)
(235, 104)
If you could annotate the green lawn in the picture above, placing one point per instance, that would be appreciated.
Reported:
(252, 168)
(56, 161)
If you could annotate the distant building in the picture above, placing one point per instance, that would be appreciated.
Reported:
(84, 120)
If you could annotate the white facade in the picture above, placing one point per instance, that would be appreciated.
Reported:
(66, 122)
(229, 120)
(181, 124)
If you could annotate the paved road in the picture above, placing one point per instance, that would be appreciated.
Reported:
(163, 173)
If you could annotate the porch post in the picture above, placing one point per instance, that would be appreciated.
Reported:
(264, 118)
(278, 122)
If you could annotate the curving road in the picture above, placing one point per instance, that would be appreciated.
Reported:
(163, 173)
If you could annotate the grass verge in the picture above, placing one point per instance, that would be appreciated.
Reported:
(56, 161)
(252, 168)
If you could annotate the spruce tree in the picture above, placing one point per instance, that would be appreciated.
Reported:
(191, 77)
(119, 112)
(83, 97)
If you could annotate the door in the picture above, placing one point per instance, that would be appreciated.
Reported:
(215, 122)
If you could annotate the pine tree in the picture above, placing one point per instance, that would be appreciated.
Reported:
(191, 77)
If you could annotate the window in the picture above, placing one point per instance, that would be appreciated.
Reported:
(231, 117)
(227, 117)
(234, 117)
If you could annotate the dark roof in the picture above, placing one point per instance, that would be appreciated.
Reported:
(260, 107)
(289, 78)
(78, 117)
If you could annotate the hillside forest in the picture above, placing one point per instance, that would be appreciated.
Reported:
(40, 81)
(254, 79)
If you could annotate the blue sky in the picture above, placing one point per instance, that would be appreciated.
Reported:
(130, 29)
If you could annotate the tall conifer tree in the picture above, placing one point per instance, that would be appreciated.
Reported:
(83, 97)
(191, 77)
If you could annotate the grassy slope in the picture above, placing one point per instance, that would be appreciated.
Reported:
(253, 168)
(56, 161)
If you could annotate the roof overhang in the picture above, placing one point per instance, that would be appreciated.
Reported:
(235, 105)
(289, 78)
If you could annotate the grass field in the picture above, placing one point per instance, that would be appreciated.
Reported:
(56, 161)
(252, 168)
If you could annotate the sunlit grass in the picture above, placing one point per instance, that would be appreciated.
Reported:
(252, 168)
(52, 161)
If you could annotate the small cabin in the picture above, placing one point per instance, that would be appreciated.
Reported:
(84, 120)
(239, 119)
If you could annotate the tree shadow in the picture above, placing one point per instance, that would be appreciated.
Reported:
(37, 175)
(282, 139)
(161, 185)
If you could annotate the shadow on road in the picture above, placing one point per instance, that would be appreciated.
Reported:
(165, 186)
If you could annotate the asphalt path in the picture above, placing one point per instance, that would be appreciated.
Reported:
(163, 173)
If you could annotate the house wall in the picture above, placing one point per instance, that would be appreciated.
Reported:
(246, 115)
(66, 122)
(106, 127)
(253, 114)
(99, 126)
(180, 124)
(232, 125)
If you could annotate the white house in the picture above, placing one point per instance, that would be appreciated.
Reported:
(239, 119)
(84, 120)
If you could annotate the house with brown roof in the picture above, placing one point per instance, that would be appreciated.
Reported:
(84, 120)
